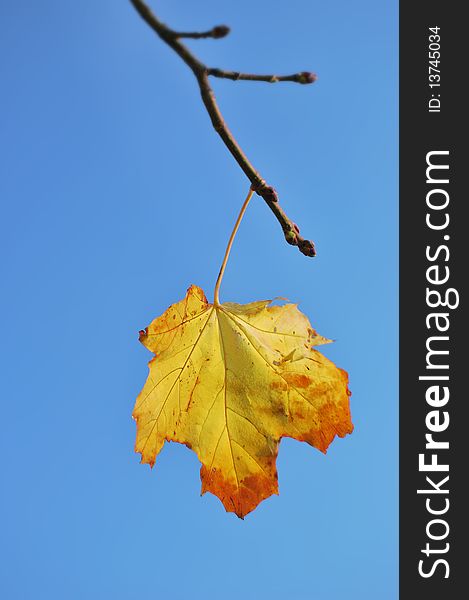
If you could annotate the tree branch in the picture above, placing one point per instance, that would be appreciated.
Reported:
(216, 32)
(202, 73)
(303, 77)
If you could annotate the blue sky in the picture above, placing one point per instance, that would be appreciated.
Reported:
(116, 196)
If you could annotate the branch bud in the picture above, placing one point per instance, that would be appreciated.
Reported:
(307, 248)
(269, 194)
(220, 31)
(307, 77)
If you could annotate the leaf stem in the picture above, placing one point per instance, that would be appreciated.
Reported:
(216, 296)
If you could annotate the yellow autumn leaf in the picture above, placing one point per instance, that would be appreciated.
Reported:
(229, 381)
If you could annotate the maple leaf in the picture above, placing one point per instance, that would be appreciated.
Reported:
(229, 381)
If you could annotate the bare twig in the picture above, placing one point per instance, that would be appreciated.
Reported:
(202, 73)
(216, 32)
(304, 77)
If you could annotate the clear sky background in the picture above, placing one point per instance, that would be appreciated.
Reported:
(117, 195)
